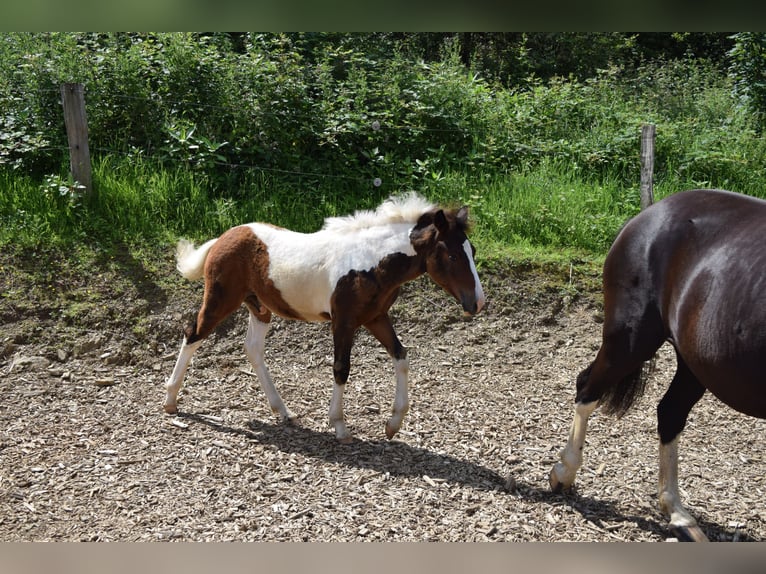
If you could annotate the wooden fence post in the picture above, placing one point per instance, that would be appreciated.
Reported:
(647, 165)
(73, 101)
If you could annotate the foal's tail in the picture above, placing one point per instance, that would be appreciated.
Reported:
(190, 262)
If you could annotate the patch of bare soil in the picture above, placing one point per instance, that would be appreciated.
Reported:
(87, 453)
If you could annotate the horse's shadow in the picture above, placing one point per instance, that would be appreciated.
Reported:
(401, 459)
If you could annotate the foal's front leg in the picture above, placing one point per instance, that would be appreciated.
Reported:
(383, 331)
(343, 337)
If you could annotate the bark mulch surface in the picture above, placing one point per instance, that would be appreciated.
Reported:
(87, 453)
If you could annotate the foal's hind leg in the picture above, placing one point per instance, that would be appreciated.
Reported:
(216, 306)
(176, 379)
(257, 328)
(685, 390)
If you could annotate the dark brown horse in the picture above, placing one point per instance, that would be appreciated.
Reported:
(690, 270)
(349, 272)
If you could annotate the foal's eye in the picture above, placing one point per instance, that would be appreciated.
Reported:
(452, 257)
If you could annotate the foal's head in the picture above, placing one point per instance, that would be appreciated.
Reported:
(440, 237)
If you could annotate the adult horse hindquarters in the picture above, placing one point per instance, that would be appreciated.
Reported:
(691, 270)
(349, 272)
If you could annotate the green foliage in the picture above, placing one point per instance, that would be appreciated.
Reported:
(192, 133)
(748, 71)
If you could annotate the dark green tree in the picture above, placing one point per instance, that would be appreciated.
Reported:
(748, 71)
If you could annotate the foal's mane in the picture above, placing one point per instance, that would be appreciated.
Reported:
(405, 208)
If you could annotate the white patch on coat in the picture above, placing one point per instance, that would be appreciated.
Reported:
(306, 267)
(406, 208)
(479, 291)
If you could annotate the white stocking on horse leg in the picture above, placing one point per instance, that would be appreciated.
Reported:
(336, 414)
(401, 400)
(255, 343)
(563, 473)
(681, 522)
(173, 385)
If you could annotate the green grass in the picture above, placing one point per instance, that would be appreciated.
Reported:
(548, 208)
(547, 220)
(546, 212)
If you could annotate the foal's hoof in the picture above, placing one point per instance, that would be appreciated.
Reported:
(170, 409)
(345, 440)
(688, 533)
(287, 416)
(390, 431)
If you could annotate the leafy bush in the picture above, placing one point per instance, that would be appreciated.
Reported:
(748, 71)
(192, 132)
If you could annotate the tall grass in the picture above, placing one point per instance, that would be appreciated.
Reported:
(198, 139)
(137, 202)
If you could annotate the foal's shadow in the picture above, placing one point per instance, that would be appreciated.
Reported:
(384, 456)
(400, 459)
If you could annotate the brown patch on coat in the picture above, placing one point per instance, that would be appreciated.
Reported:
(237, 272)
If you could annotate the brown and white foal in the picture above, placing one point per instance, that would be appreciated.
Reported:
(349, 272)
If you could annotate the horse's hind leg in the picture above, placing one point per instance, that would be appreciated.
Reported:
(255, 342)
(615, 379)
(563, 473)
(685, 390)
(592, 383)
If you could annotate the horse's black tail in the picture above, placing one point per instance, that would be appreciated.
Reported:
(617, 399)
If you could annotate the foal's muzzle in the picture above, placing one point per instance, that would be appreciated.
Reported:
(471, 304)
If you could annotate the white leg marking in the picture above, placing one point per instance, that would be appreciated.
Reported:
(479, 291)
(173, 384)
(563, 473)
(401, 400)
(670, 500)
(336, 413)
(255, 343)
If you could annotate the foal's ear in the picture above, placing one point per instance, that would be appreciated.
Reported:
(462, 216)
(440, 221)
(423, 235)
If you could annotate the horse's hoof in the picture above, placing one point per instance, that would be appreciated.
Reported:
(170, 409)
(556, 485)
(390, 431)
(345, 440)
(285, 416)
(290, 419)
(688, 533)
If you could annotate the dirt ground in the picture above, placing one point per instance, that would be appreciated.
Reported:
(87, 453)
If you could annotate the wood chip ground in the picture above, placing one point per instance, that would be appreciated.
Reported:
(87, 454)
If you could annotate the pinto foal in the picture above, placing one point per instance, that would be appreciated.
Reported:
(349, 273)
